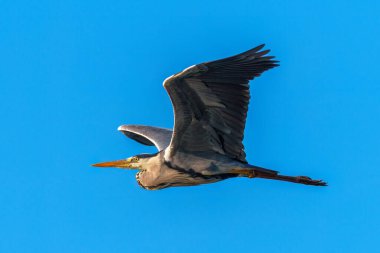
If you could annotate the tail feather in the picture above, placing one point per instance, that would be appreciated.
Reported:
(261, 169)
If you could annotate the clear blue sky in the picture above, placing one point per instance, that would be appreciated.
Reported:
(72, 71)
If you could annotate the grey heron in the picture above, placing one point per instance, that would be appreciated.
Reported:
(210, 103)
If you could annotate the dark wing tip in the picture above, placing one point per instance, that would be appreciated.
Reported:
(257, 55)
(262, 53)
(258, 48)
(254, 52)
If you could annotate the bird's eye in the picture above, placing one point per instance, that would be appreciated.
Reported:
(135, 159)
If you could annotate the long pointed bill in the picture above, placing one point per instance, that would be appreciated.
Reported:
(123, 164)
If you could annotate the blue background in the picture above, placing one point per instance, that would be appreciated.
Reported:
(72, 71)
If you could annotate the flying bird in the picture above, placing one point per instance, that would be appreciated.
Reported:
(210, 102)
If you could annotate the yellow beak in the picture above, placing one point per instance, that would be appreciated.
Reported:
(123, 164)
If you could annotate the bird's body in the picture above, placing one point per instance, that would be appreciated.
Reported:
(158, 174)
(210, 103)
(194, 169)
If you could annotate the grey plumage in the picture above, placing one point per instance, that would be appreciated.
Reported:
(211, 100)
(148, 135)
(210, 103)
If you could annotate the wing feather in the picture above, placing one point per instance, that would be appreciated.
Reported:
(210, 103)
(148, 135)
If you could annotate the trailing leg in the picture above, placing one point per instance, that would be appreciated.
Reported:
(297, 179)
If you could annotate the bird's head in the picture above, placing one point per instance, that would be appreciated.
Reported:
(134, 162)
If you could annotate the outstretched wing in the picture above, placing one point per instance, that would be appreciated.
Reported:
(210, 103)
(147, 135)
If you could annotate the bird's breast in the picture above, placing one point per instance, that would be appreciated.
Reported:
(168, 176)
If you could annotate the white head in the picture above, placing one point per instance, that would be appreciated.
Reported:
(135, 162)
